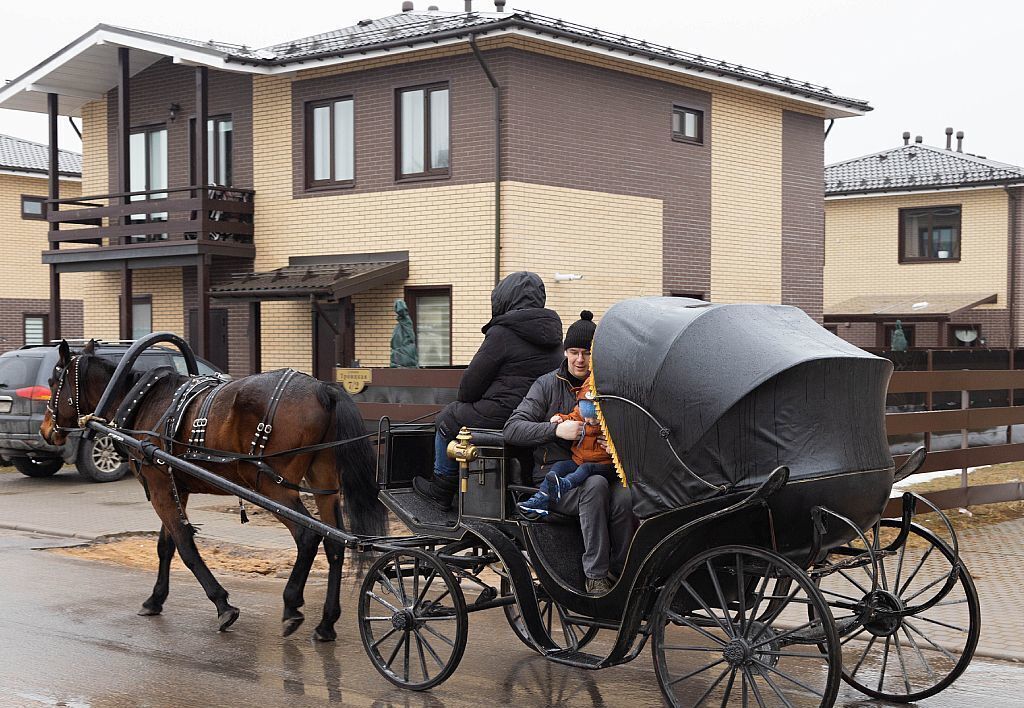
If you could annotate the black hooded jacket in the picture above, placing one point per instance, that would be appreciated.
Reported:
(522, 341)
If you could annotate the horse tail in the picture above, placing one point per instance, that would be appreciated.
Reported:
(355, 463)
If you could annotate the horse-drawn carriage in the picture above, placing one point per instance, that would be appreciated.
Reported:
(761, 572)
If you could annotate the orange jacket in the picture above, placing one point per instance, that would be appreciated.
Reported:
(587, 449)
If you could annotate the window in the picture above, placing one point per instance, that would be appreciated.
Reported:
(330, 142)
(687, 125)
(148, 172)
(142, 316)
(35, 329)
(423, 131)
(33, 207)
(930, 234)
(219, 139)
(431, 311)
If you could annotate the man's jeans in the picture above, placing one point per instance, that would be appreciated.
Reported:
(606, 519)
(443, 465)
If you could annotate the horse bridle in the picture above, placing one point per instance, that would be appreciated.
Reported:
(73, 399)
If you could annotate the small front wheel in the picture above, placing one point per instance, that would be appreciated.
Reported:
(412, 619)
(731, 628)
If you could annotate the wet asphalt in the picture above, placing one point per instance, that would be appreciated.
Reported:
(69, 636)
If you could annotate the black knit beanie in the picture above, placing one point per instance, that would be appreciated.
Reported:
(581, 332)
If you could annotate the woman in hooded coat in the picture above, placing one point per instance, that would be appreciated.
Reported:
(522, 341)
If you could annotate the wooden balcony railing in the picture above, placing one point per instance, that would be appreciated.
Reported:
(159, 215)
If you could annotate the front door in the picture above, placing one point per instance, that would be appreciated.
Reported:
(218, 335)
(333, 337)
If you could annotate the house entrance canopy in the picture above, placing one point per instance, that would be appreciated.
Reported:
(923, 307)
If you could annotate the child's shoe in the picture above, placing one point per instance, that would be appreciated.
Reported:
(536, 507)
(557, 485)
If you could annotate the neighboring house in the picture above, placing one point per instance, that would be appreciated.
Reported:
(927, 236)
(361, 165)
(25, 285)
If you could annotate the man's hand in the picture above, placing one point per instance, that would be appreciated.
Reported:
(568, 429)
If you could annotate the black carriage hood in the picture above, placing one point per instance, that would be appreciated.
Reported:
(741, 389)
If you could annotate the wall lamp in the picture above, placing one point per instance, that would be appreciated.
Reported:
(567, 277)
(174, 110)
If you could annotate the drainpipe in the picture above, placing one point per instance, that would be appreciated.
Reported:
(497, 157)
(1012, 297)
(829, 128)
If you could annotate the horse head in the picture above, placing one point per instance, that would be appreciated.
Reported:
(75, 389)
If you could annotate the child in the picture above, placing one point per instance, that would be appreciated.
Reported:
(588, 458)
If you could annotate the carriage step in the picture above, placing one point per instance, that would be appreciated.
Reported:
(579, 659)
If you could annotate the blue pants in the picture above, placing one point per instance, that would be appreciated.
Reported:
(570, 476)
(443, 465)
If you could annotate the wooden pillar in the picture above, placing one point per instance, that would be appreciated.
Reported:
(199, 139)
(124, 129)
(125, 328)
(255, 338)
(202, 343)
(54, 193)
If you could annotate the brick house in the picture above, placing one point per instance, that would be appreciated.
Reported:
(927, 236)
(24, 289)
(422, 155)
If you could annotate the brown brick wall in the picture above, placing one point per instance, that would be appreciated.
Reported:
(153, 90)
(803, 215)
(12, 319)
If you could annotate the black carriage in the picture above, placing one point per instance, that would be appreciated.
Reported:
(753, 442)
(761, 570)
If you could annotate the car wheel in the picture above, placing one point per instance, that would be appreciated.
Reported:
(99, 460)
(38, 466)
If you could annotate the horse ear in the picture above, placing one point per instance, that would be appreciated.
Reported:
(90, 348)
(65, 351)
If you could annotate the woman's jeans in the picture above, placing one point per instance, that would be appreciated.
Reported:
(443, 465)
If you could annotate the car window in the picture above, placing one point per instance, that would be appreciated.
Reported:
(145, 362)
(204, 368)
(18, 371)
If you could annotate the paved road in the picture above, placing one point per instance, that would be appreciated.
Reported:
(71, 638)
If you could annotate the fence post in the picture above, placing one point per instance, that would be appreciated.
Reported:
(965, 403)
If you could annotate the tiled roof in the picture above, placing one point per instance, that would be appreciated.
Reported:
(916, 167)
(409, 28)
(25, 156)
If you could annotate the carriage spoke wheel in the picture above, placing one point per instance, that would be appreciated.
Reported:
(560, 631)
(731, 628)
(910, 658)
(412, 619)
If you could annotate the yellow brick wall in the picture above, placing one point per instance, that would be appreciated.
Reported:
(25, 239)
(862, 247)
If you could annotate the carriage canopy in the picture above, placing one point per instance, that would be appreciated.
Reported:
(741, 389)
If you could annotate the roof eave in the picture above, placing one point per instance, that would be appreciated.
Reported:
(924, 189)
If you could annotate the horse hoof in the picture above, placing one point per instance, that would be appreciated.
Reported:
(324, 635)
(227, 618)
(149, 611)
(289, 625)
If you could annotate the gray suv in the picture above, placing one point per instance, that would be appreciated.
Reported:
(24, 392)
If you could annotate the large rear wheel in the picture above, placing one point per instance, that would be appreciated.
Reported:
(412, 619)
(905, 658)
(731, 628)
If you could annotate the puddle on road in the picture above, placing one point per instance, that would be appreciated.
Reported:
(139, 551)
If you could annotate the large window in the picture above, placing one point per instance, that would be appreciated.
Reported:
(431, 311)
(330, 143)
(423, 132)
(687, 125)
(930, 234)
(35, 329)
(147, 172)
(219, 139)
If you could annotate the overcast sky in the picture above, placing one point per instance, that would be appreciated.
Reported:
(922, 65)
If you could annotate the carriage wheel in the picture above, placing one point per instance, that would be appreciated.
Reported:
(412, 619)
(910, 658)
(760, 650)
(562, 633)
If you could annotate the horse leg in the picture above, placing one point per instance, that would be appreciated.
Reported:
(165, 552)
(307, 543)
(182, 537)
(330, 513)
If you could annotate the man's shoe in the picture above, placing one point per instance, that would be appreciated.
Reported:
(598, 586)
(438, 490)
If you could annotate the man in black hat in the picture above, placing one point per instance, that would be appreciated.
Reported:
(605, 510)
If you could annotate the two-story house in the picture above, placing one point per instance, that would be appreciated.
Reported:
(927, 236)
(422, 156)
(25, 287)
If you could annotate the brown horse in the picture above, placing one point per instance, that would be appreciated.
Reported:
(308, 412)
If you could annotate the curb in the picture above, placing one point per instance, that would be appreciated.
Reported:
(49, 532)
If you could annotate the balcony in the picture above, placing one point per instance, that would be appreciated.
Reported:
(164, 227)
